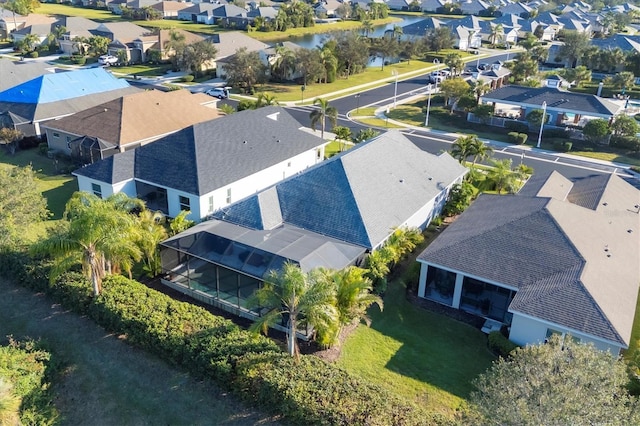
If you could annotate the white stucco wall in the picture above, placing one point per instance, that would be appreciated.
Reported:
(240, 189)
(526, 330)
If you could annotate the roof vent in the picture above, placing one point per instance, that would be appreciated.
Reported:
(401, 180)
(605, 204)
(629, 231)
(278, 141)
(244, 142)
(430, 178)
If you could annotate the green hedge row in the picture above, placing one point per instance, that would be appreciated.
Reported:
(25, 366)
(309, 392)
(500, 344)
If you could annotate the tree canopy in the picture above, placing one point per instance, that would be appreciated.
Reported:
(558, 383)
(21, 203)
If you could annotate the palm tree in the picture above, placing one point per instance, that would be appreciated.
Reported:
(397, 32)
(480, 88)
(353, 298)
(302, 298)
(322, 113)
(367, 27)
(462, 148)
(265, 99)
(479, 150)
(96, 234)
(403, 241)
(153, 232)
(175, 47)
(497, 34)
(284, 64)
(501, 174)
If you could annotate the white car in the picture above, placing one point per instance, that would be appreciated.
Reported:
(108, 60)
(218, 92)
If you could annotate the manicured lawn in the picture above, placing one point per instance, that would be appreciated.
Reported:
(146, 70)
(292, 92)
(364, 112)
(193, 27)
(422, 356)
(379, 122)
(66, 10)
(107, 382)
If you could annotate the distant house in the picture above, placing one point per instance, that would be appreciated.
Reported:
(432, 5)
(159, 42)
(191, 13)
(327, 8)
(328, 216)
(228, 43)
(473, 7)
(169, 9)
(518, 9)
(209, 165)
(561, 257)
(126, 123)
(76, 27)
(464, 37)
(10, 22)
(563, 108)
(122, 36)
(53, 96)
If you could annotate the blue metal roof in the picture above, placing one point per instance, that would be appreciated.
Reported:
(61, 86)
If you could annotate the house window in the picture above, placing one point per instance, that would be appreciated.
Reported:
(228, 195)
(211, 204)
(97, 189)
(56, 135)
(289, 164)
(184, 203)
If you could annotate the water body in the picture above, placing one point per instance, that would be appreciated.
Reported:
(311, 41)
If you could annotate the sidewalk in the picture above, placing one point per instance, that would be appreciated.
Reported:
(381, 113)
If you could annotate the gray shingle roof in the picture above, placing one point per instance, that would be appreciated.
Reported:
(210, 155)
(359, 196)
(573, 261)
(556, 100)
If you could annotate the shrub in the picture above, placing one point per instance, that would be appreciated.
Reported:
(516, 126)
(79, 60)
(500, 344)
(27, 367)
(513, 137)
(43, 148)
(522, 138)
(187, 78)
(33, 54)
(312, 391)
(562, 146)
(555, 133)
(632, 143)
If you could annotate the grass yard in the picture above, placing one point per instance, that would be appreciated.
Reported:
(107, 382)
(146, 70)
(99, 15)
(364, 112)
(292, 92)
(167, 24)
(425, 357)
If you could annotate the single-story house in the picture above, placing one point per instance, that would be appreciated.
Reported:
(9, 22)
(209, 165)
(562, 107)
(191, 13)
(127, 123)
(560, 257)
(328, 216)
(169, 8)
(53, 96)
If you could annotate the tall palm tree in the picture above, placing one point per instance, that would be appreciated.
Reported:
(479, 150)
(497, 34)
(323, 112)
(367, 27)
(153, 232)
(397, 32)
(302, 298)
(480, 88)
(96, 234)
(353, 298)
(462, 148)
(501, 174)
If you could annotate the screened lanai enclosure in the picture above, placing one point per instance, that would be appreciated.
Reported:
(223, 264)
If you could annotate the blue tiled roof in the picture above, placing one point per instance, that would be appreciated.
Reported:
(62, 86)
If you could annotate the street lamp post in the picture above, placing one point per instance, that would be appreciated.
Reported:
(395, 91)
(426, 120)
(357, 96)
(544, 116)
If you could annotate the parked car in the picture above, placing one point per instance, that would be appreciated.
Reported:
(218, 92)
(108, 60)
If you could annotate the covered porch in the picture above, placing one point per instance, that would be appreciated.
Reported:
(471, 295)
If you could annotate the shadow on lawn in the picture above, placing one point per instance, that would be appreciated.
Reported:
(435, 349)
(57, 197)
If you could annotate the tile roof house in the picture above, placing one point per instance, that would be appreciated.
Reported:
(562, 256)
(53, 96)
(328, 216)
(9, 22)
(208, 165)
(169, 9)
(559, 103)
(126, 123)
